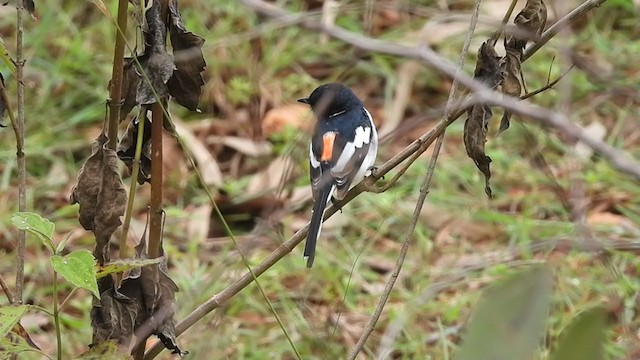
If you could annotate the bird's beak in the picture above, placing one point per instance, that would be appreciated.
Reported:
(304, 100)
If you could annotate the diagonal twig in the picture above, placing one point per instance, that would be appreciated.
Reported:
(424, 191)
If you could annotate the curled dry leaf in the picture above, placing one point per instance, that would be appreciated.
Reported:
(127, 149)
(490, 71)
(156, 62)
(130, 83)
(143, 304)
(511, 83)
(531, 22)
(185, 85)
(179, 75)
(101, 195)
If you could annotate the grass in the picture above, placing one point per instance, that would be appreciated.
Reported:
(460, 231)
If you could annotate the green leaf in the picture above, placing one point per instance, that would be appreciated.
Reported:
(124, 265)
(6, 59)
(9, 317)
(78, 268)
(584, 337)
(37, 225)
(510, 319)
(62, 244)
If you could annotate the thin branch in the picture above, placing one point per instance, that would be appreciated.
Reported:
(548, 86)
(115, 90)
(6, 290)
(424, 191)
(20, 155)
(503, 23)
(155, 204)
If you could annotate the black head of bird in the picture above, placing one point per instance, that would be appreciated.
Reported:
(330, 99)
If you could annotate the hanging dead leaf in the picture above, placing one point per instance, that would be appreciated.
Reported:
(101, 195)
(511, 83)
(185, 85)
(127, 149)
(157, 65)
(144, 304)
(116, 314)
(530, 21)
(490, 71)
(130, 83)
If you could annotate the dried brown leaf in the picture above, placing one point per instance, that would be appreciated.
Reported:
(185, 85)
(157, 65)
(130, 83)
(101, 195)
(511, 83)
(531, 22)
(127, 149)
(143, 304)
(490, 71)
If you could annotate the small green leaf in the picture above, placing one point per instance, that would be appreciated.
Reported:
(124, 265)
(584, 337)
(78, 268)
(509, 320)
(62, 244)
(9, 317)
(36, 225)
(6, 59)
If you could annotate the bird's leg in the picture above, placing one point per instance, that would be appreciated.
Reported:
(370, 171)
(334, 201)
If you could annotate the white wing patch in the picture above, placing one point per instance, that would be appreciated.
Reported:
(312, 158)
(345, 157)
(363, 136)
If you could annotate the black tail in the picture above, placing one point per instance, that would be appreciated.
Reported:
(316, 223)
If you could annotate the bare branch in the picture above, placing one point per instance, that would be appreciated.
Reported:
(548, 86)
(22, 163)
(424, 191)
(6, 290)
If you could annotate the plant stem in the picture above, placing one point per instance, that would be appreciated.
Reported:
(56, 315)
(22, 165)
(155, 205)
(115, 91)
(124, 253)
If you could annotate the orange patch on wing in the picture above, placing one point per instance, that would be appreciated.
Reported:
(327, 146)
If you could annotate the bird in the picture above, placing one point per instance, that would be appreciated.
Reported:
(342, 150)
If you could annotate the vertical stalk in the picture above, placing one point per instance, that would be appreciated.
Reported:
(124, 253)
(22, 168)
(56, 315)
(115, 92)
(155, 206)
